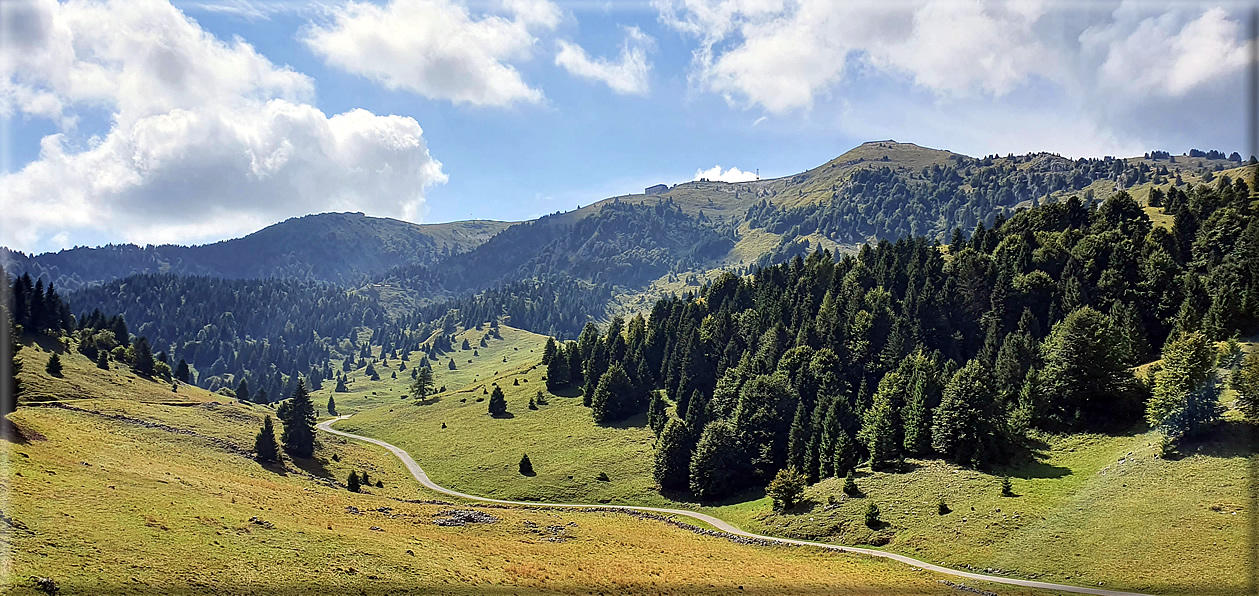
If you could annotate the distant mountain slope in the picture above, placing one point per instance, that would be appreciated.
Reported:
(334, 247)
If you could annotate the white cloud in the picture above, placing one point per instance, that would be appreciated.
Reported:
(435, 48)
(628, 75)
(733, 174)
(207, 139)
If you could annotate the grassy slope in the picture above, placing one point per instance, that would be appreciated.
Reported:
(105, 506)
(1091, 508)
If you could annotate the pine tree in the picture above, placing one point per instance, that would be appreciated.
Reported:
(242, 390)
(182, 373)
(557, 372)
(352, 484)
(341, 388)
(881, 422)
(102, 360)
(1186, 396)
(526, 466)
(966, 426)
(719, 465)
(332, 406)
(265, 447)
(614, 398)
(54, 365)
(143, 364)
(1085, 376)
(498, 402)
(422, 387)
(299, 423)
(673, 457)
(1246, 382)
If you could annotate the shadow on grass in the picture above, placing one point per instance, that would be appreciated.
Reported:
(636, 421)
(1028, 462)
(12, 433)
(503, 415)
(568, 391)
(1226, 439)
(313, 466)
(428, 401)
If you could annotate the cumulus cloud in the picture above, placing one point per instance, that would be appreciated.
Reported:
(206, 139)
(1132, 69)
(628, 75)
(733, 174)
(436, 48)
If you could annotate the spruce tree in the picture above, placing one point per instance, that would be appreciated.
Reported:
(54, 365)
(422, 387)
(657, 414)
(1086, 378)
(719, 465)
(526, 466)
(332, 406)
(341, 388)
(242, 390)
(102, 360)
(548, 352)
(786, 488)
(498, 402)
(1186, 396)
(614, 398)
(352, 484)
(966, 426)
(672, 466)
(143, 364)
(880, 424)
(182, 373)
(299, 423)
(265, 447)
(557, 372)
(1246, 382)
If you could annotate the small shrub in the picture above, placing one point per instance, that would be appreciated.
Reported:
(786, 488)
(1007, 490)
(336, 457)
(943, 507)
(872, 515)
(526, 466)
(54, 365)
(850, 485)
(380, 484)
(352, 483)
(603, 477)
(515, 382)
(533, 405)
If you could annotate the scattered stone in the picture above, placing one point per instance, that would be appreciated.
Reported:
(45, 585)
(352, 510)
(966, 588)
(376, 529)
(463, 517)
(261, 522)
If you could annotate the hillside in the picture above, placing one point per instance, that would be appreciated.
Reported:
(331, 247)
(128, 488)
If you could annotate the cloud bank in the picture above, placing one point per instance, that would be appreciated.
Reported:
(731, 175)
(628, 75)
(206, 138)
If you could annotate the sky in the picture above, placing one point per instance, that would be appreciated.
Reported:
(191, 121)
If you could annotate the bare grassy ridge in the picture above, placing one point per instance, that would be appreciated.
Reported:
(107, 505)
(1089, 508)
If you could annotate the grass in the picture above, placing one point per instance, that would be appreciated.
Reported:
(108, 506)
(1089, 508)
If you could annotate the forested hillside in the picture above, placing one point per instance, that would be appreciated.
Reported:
(915, 348)
(332, 247)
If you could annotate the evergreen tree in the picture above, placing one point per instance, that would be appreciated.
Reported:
(341, 388)
(548, 352)
(54, 365)
(102, 360)
(719, 465)
(881, 423)
(1186, 396)
(332, 406)
(526, 466)
(916, 414)
(143, 364)
(242, 390)
(798, 438)
(265, 447)
(1246, 383)
(966, 425)
(1086, 379)
(352, 484)
(557, 372)
(673, 457)
(657, 414)
(182, 373)
(423, 385)
(299, 423)
(498, 402)
(614, 399)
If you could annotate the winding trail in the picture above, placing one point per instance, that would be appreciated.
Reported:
(720, 524)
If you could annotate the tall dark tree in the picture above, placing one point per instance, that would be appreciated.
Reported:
(423, 385)
(557, 372)
(54, 365)
(1085, 377)
(298, 417)
(265, 447)
(182, 373)
(143, 364)
(966, 426)
(615, 397)
(498, 402)
(719, 466)
(672, 467)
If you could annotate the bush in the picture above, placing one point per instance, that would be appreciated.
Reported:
(526, 466)
(54, 365)
(786, 488)
(380, 484)
(603, 477)
(351, 483)
(850, 485)
(1007, 490)
(943, 507)
(872, 515)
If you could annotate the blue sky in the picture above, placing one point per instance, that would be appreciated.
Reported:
(141, 121)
